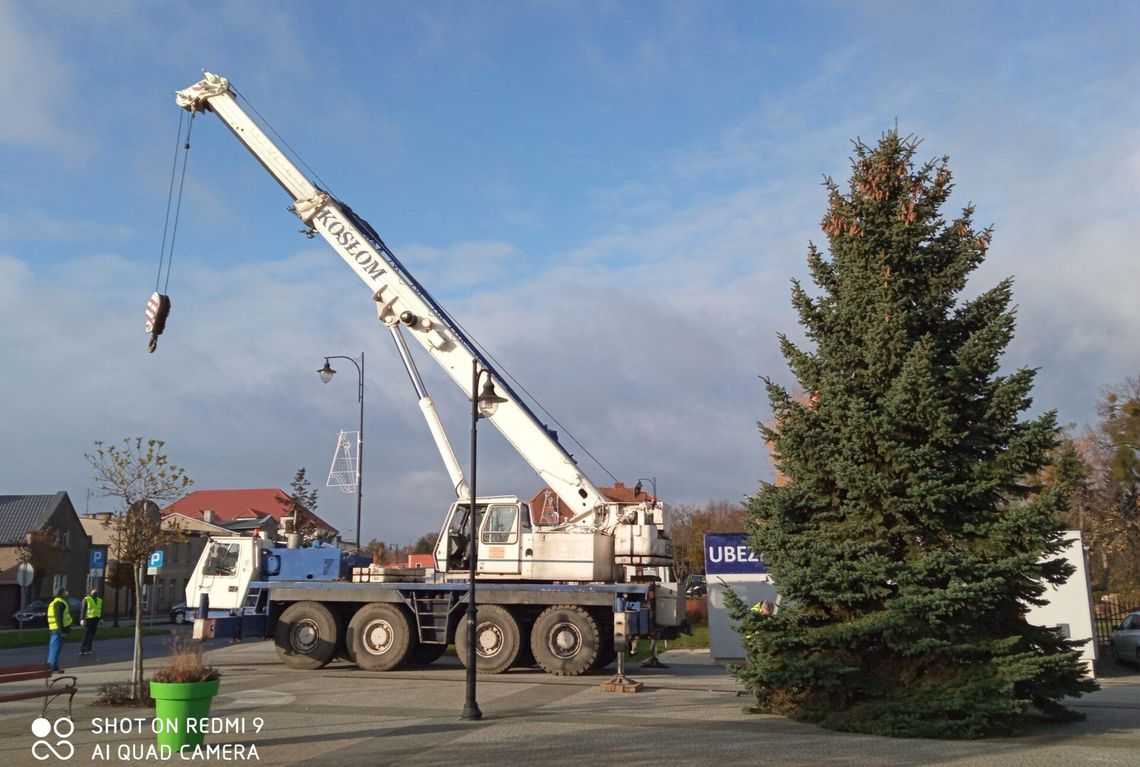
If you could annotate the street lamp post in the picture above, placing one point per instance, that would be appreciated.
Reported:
(326, 373)
(483, 405)
(637, 488)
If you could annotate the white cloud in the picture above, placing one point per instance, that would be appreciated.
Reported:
(36, 87)
(463, 264)
(645, 334)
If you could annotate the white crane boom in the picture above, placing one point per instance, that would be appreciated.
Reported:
(402, 301)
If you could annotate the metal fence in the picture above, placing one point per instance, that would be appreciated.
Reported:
(1108, 616)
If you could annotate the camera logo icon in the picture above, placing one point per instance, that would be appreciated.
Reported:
(60, 730)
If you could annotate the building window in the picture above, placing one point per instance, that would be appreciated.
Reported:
(58, 581)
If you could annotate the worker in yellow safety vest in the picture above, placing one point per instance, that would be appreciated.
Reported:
(92, 612)
(59, 624)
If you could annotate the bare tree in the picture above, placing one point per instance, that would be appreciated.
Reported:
(44, 550)
(688, 528)
(139, 474)
(378, 550)
(1101, 469)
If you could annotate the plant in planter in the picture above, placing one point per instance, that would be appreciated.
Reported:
(183, 690)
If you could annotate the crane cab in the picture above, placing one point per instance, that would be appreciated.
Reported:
(502, 523)
(511, 547)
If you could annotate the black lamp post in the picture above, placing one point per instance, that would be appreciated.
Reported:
(482, 406)
(326, 373)
(637, 488)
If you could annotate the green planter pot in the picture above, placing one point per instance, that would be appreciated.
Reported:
(175, 704)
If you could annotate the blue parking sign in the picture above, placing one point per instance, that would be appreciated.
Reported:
(98, 559)
(155, 559)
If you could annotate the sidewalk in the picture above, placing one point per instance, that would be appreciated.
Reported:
(690, 713)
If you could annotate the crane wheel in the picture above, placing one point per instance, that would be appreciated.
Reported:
(565, 640)
(497, 639)
(307, 635)
(380, 637)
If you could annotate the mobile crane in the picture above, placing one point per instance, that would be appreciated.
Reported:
(569, 595)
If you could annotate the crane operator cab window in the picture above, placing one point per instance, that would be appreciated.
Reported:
(499, 524)
(223, 559)
(458, 542)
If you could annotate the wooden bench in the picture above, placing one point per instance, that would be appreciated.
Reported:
(52, 689)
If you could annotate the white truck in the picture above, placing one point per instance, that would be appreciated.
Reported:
(568, 595)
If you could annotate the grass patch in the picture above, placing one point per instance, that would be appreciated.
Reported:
(698, 641)
(34, 637)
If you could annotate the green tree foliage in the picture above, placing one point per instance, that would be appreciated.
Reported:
(299, 507)
(138, 474)
(426, 544)
(907, 541)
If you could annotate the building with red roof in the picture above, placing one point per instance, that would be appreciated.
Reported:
(547, 508)
(245, 510)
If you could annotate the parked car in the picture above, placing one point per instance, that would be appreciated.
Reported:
(698, 586)
(180, 613)
(35, 614)
(1126, 639)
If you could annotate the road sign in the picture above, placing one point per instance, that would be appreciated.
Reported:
(155, 559)
(730, 563)
(728, 553)
(24, 574)
(98, 559)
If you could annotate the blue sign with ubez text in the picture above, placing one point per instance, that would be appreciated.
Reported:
(729, 554)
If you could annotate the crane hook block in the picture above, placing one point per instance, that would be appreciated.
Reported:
(157, 308)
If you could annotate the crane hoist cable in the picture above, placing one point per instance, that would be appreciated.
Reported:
(158, 306)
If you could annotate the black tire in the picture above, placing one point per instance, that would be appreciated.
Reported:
(426, 654)
(179, 618)
(497, 639)
(565, 640)
(307, 635)
(607, 654)
(380, 637)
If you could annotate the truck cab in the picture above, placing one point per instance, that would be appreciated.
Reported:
(225, 569)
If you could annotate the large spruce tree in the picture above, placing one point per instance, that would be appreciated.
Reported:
(907, 538)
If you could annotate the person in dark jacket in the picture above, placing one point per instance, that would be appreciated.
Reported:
(59, 625)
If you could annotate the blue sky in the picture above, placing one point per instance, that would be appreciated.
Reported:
(613, 197)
